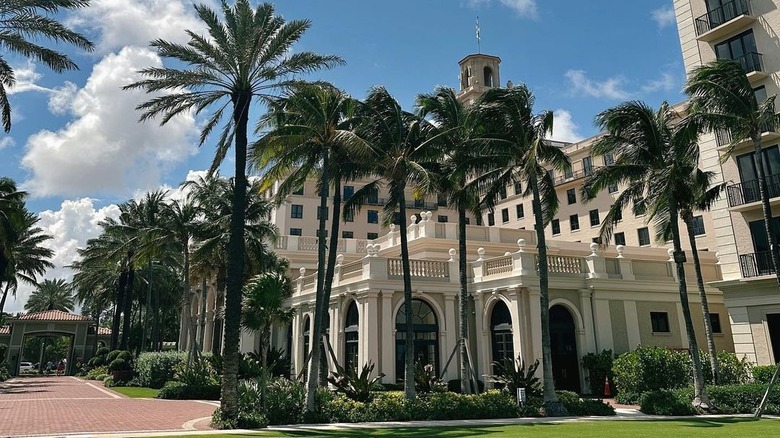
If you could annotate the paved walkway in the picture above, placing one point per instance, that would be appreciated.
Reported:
(66, 405)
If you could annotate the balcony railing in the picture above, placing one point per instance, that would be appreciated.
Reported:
(722, 15)
(756, 264)
(749, 191)
(751, 62)
(572, 176)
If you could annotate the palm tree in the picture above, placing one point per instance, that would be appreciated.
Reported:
(27, 257)
(521, 154)
(248, 56)
(51, 295)
(402, 158)
(656, 160)
(311, 134)
(457, 129)
(721, 98)
(23, 23)
(264, 307)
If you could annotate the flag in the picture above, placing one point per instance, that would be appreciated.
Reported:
(478, 37)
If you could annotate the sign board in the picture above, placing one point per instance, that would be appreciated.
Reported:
(521, 396)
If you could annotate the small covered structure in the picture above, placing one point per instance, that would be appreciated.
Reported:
(84, 335)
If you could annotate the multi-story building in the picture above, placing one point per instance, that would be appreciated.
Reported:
(746, 31)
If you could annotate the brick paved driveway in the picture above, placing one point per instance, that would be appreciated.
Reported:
(62, 405)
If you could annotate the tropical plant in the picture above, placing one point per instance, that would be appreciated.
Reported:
(513, 373)
(26, 22)
(426, 380)
(522, 155)
(311, 134)
(356, 386)
(264, 306)
(457, 131)
(51, 295)
(656, 160)
(248, 56)
(402, 159)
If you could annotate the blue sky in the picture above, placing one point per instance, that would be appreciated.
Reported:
(76, 148)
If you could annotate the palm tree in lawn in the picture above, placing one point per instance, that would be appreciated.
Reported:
(264, 307)
(23, 24)
(28, 257)
(247, 57)
(457, 129)
(311, 135)
(94, 284)
(656, 160)
(722, 99)
(402, 158)
(522, 155)
(51, 295)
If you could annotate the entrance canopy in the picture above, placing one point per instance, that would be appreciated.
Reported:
(81, 329)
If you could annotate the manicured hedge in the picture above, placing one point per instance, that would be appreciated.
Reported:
(763, 373)
(728, 399)
(649, 369)
(180, 391)
(156, 368)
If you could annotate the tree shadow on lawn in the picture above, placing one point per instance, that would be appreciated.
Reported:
(715, 422)
(401, 432)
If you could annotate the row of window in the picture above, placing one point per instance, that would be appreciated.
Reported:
(643, 234)
(344, 234)
(659, 322)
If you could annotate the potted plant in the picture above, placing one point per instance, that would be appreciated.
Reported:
(121, 370)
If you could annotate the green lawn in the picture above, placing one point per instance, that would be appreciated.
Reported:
(135, 392)
(688, 428)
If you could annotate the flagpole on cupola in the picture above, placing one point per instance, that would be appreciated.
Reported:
(479, 45)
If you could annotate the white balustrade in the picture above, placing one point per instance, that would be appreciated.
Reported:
(498, 265)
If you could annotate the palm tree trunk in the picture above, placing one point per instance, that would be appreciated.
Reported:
(203, 297)
(185, 296)
(766, 207)
(127, 322)
(146, 320)
(409, 389)
(334, 245)
(705, 308)
(319, 307)
(119, 306)
(235, 261)
(699, 394)
(552, 405)
(5, 295)
(465, 387)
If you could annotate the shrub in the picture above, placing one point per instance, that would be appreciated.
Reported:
(353, 385)
(285, 401)
(512, 374)
(731, 369)
(94, 373)
(763, 373)
(4, 374)
(96, 361)
(583, 407)
(102, 351)
(425, 379)
(599, 368)
(454, 386)
(531, 408)
(156, 368)
(108, 381)
(666, 402)
(112, 355)
(738, 399)
(179, 391)
(195, 374)
(119, 364)
(649, 369)
(245, 420)
(3, 350)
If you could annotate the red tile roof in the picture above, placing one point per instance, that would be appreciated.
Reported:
(5, 330)
(104, 331)
(53, 315)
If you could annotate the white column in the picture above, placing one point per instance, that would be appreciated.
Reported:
(387, 335)
(603, 320)
(297, 344)
(632, 324)
(587, 320)
(336, 337)
(535, 316)
(371, 308)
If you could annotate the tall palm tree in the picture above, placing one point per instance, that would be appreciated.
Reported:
(721, 98)
(51, 295)
(402, 159)
(264, 307)
(248, 56)
(457, 130)
(656, 160)
(312, 135)
(26, 258)
(23, 23)
(521, 154)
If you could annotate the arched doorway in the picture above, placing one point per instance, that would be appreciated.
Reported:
(501, 332)
(426, 336)
(306, 340)
(563, 342)
(488, 74)
(351, 335)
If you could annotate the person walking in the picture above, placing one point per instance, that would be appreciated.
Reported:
(60, 367)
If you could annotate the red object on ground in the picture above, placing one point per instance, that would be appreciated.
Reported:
(607, 392)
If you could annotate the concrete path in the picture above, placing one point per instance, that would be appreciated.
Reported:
(53, 405)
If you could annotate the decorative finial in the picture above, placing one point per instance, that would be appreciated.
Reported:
(594, 247)
(452, 255)
(620, 249)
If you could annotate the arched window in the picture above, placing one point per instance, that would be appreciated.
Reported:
(488, 76)
(426, 336)
(563, 346)
(501, 332)
(351, 330)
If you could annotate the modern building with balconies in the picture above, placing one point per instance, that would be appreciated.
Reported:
(746, 31)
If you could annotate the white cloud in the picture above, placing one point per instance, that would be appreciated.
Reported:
(663, 16)
(123, 23)
(524, 8)
(564, 128)
(71, 226)
(60, 98)
(104, 150)
(6, 142)
(665, 83)
(26, 77)
(611, 88)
